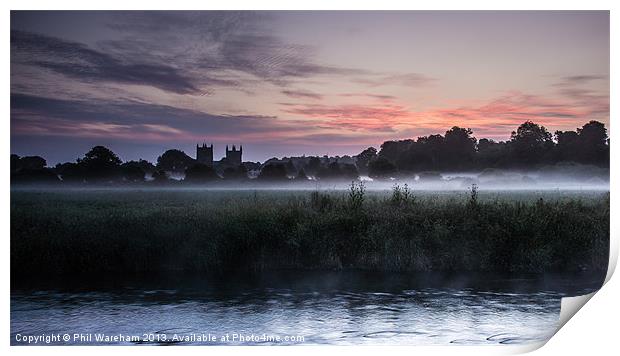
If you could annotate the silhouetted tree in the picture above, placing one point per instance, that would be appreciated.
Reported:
(301, 175)
(70, 172)
(235, 173)
(492, 154)
(381, 168)
(34, 176)
(99, 164)
(146, 166)
(349, 171)
(132, 172)
(364, 158)
(592, 139)
(331, 171)
(31, 170)
(567, 147)
(531, 144)
(336, 170)
(160, 177)
(485, 144)
(200, 173)
(101, 156)
(394, 150)
(174, 161)
(290, 168)
(460, 149)
(428, 152)
(273, 172)
(15, 162)
(313, 166)
(32, 162)
(28, 162)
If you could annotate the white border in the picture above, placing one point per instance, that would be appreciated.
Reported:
(592, 329)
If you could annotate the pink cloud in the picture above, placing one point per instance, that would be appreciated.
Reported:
(500, 116)
(353, 117)
(496, 118)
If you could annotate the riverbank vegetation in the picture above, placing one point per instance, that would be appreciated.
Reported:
(84, 231)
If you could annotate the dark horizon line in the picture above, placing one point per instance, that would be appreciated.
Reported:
(416, 139)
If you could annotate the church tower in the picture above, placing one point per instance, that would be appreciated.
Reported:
(233, 156)
(204, 154)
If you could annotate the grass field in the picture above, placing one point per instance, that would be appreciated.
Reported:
(71, 232)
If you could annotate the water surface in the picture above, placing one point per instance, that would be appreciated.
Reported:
(339, 308)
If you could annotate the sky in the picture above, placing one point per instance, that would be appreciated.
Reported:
(284, 83)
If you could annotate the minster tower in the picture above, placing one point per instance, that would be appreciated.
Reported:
(204, 154)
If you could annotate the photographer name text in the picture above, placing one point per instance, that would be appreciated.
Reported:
(161, 338)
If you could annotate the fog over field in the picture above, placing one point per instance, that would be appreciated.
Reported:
(493, 180)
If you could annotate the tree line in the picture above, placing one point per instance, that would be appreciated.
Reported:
(529, 147)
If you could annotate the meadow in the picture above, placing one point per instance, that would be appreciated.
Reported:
(76, 231)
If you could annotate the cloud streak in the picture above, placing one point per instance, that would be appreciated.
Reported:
(413, 80)
(227, 45)
(386, 98)
(128, 120)
(302, 94)
(77, 61)
(191, 53)
(579, 92)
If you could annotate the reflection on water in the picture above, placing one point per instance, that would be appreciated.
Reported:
(324, 307)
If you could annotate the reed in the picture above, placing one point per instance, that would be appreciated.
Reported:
(82, 231)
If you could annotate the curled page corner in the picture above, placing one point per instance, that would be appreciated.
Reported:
(570, 306)
(613, 258)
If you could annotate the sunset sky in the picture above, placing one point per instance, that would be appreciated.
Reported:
(293, 83)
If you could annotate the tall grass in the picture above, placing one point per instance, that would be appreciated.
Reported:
(135, 231)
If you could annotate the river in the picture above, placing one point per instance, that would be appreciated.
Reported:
(292, 308)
